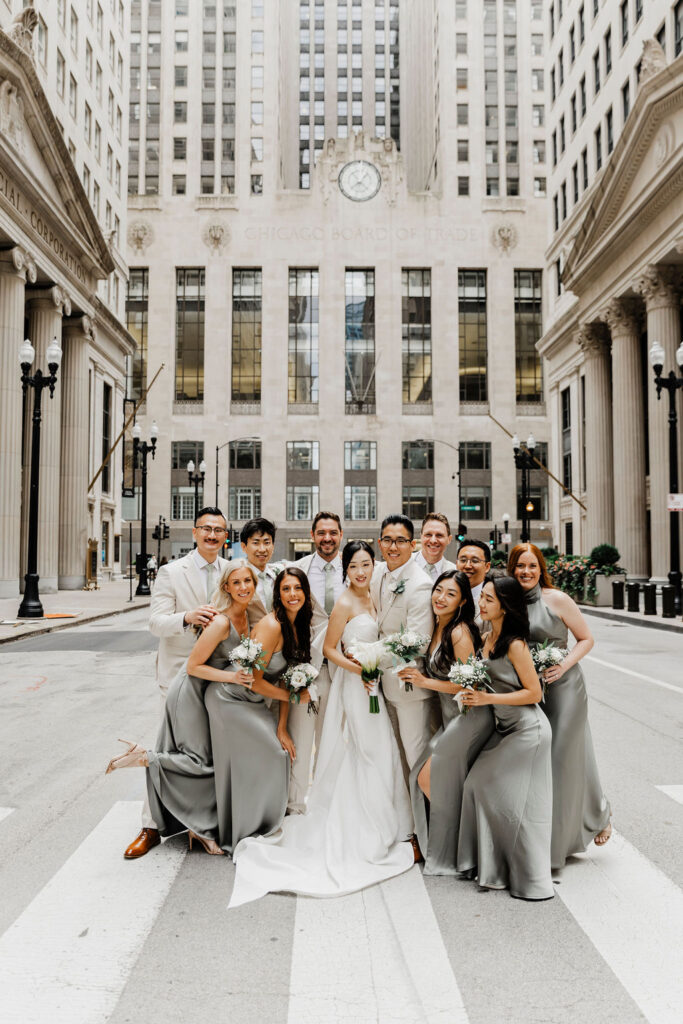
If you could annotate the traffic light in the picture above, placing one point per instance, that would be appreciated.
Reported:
(155, 532)
(462, 532)
(492, 539)
(167, 531)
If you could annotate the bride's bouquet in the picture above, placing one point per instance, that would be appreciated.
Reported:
(248, 654)
(471, 675)
(369, 654)
(297, 678)
(546, 655)
(404, 647)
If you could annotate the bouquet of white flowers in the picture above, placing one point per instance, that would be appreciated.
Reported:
(546, 655)
(369, 654)
(297, 678)
(404, 647)
(248, 654)
(471, 675)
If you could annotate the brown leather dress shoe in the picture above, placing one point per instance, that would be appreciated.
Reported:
(142, 844)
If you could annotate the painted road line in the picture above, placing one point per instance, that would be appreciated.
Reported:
(633, 915)
(637, 675)
(67, 957)
(5, 812)
(355, 958)
(675, 792)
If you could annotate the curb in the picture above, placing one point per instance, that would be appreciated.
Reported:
(72, 622)
(651, 622)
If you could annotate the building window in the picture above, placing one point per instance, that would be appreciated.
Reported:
(245, 454)
(180, 112)
(244, 502)
(73, 97)
(463, 150)
(598, 148)
(462, 114)
(360, 455)
(303, 337)
(596, 72)
(475, 455)
(106, 438)
(136, 322)
(182, 501)
(528, 330)
(418, 501)
(626, 99)
(180, 79)
(624, 22)
(303, 455)
(566, 427)
(608, 51)
(540, 187)
(475, 501)
(302, 501)
(246, 335)
(463, 186)
(416, 336)
(189, 366)
(180, 148)
(609, 124)
(461, 44)
(183, 452)
(584, 168)
(360, 501)
(359, 355)
(538, 115)
(678, 27)
(417, 455)
(472, 331)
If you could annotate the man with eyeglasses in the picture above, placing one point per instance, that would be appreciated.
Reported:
(181, 598)
(474, 559)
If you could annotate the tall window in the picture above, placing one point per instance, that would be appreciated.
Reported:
(244, 502)
(246, 335)
(360, 455)
(418, 501)
(565, 399)
(302, 501)
(303, 455)
(528, 329)
(303, 337)
(359, 353)
(416, 333)
(360, 501)
(106, 437)
(472, 335)
(189, 359)
(136, 322)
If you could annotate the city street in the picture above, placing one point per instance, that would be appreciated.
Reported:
(88, 938)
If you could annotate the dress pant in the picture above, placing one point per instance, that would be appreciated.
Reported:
(413, 722)
(306, 730)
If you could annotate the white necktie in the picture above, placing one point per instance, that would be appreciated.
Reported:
(267, 591)
(433, 571)
(210, 582)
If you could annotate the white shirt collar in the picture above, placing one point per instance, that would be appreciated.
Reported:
(397, 573)
(201, 562)
(424, 564)
(320, 563)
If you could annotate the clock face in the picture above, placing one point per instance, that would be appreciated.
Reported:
(359, 180)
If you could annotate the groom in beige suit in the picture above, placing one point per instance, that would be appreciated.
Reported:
(181, 599)
(401, 592)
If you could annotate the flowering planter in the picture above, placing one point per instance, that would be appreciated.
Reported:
(603, 586)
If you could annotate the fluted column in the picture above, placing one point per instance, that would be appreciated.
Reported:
(16, 267)
(628, 432)
(45, 308)
(599, 491)
(73, 491)
(660, 287)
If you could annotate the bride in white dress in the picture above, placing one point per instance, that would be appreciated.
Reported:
(358, 819)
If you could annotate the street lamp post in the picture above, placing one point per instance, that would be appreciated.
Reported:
(195, 480)
(506, 528)
(30, 607)
(672, 383)
(525, 461)
(141, 449)
(220, 447)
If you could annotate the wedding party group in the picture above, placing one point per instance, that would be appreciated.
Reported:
(329, 722)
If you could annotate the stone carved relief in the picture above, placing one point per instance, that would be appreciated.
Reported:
(61, 299)
(592, 340)
(22, 28)
(359, 146)
(659, 285)
(12, 114)
(622, 316)
(140, 235)
(80, 325)
(216, 236)
(664, 143)
(23, 261)
(504, 237)
(652, 61)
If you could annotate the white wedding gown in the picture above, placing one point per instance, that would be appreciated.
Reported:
(358, 813)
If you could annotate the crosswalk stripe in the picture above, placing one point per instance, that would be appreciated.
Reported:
(675, 792)
(356, 957)
(5, 812)
(66, 958)
(637, 675)
(633, 915)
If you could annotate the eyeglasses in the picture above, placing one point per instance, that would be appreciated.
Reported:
(400, 542)
(470, 561)
(209, 531)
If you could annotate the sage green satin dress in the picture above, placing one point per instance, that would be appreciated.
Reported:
(580, 809)
(506, 817)
(453, 750)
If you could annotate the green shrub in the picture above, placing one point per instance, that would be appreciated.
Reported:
(604, 554)
(575, 574)
(498, 559)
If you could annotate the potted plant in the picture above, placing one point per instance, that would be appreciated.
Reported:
(603, 564)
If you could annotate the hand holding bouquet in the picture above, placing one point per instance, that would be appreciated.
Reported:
(369, 655)
(404, 647)
(471, 675)
(545, 656)
(300, 677)
(248, 655)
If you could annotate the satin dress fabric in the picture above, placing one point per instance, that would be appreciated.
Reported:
(453, 750)
(506, 818)
(358, 817)
(580, 809)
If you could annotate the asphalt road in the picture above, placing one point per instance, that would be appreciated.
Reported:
(88, 938)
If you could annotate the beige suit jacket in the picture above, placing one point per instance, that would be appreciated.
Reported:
(411, 609)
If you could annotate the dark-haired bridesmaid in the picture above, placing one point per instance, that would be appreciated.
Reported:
(506, 818)
(580, 811)
(438, 777)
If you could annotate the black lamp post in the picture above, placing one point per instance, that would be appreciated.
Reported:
(525, 461)
(195, 480)
(672, 383)
(30, 607)
(141, 449)
(506, 529)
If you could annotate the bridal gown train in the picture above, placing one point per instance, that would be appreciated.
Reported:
(358, 812)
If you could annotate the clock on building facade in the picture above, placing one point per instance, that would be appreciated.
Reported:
(359, 180)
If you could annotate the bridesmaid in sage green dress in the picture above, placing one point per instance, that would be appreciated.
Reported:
(438, 776)
(506, 817)
(580, 811)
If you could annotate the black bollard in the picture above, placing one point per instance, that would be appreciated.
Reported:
(668, 605)
(618, 594)
(650, 598)
(633, 597)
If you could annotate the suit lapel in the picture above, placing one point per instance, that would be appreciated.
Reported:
(196, 579)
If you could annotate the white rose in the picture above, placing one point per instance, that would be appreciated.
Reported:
(297, 680)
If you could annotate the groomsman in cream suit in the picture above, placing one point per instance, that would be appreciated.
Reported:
(257, 537)
(180, 600)
(401, 592)
(324, 571)
(435, 537)
(474, 559)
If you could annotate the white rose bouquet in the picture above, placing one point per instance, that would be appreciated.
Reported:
(546, 655)
(299, 677)
(404, 647)
(369, 654)
(248, 654)
(471, 675)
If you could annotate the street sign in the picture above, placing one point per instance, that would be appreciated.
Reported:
(506, 538)
(674, 503)
(470, 508)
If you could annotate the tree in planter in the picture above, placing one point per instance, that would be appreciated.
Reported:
(603, 559)
(575, 574)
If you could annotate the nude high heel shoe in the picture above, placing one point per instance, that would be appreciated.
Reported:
(134, 757)
(209, 845)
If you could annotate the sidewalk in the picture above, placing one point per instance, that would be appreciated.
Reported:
(637, 618)
(83, 605)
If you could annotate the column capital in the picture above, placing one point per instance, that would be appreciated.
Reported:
(79, 325)
(622, 316)
(592, 340)
(54, 297)
(659, 285)
(18, 261)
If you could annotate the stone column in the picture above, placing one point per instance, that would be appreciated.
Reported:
(45, 308)
(659, 286)
(599, 492)
(16, 267)
(628, 431)
(73, 491)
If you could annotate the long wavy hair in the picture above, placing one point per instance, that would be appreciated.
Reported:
(219, 599)
(515, 625)
(522, 549)
(296, 636)
(464, 615)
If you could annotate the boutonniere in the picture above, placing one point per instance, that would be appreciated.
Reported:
(273, 568)
(397, 587)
